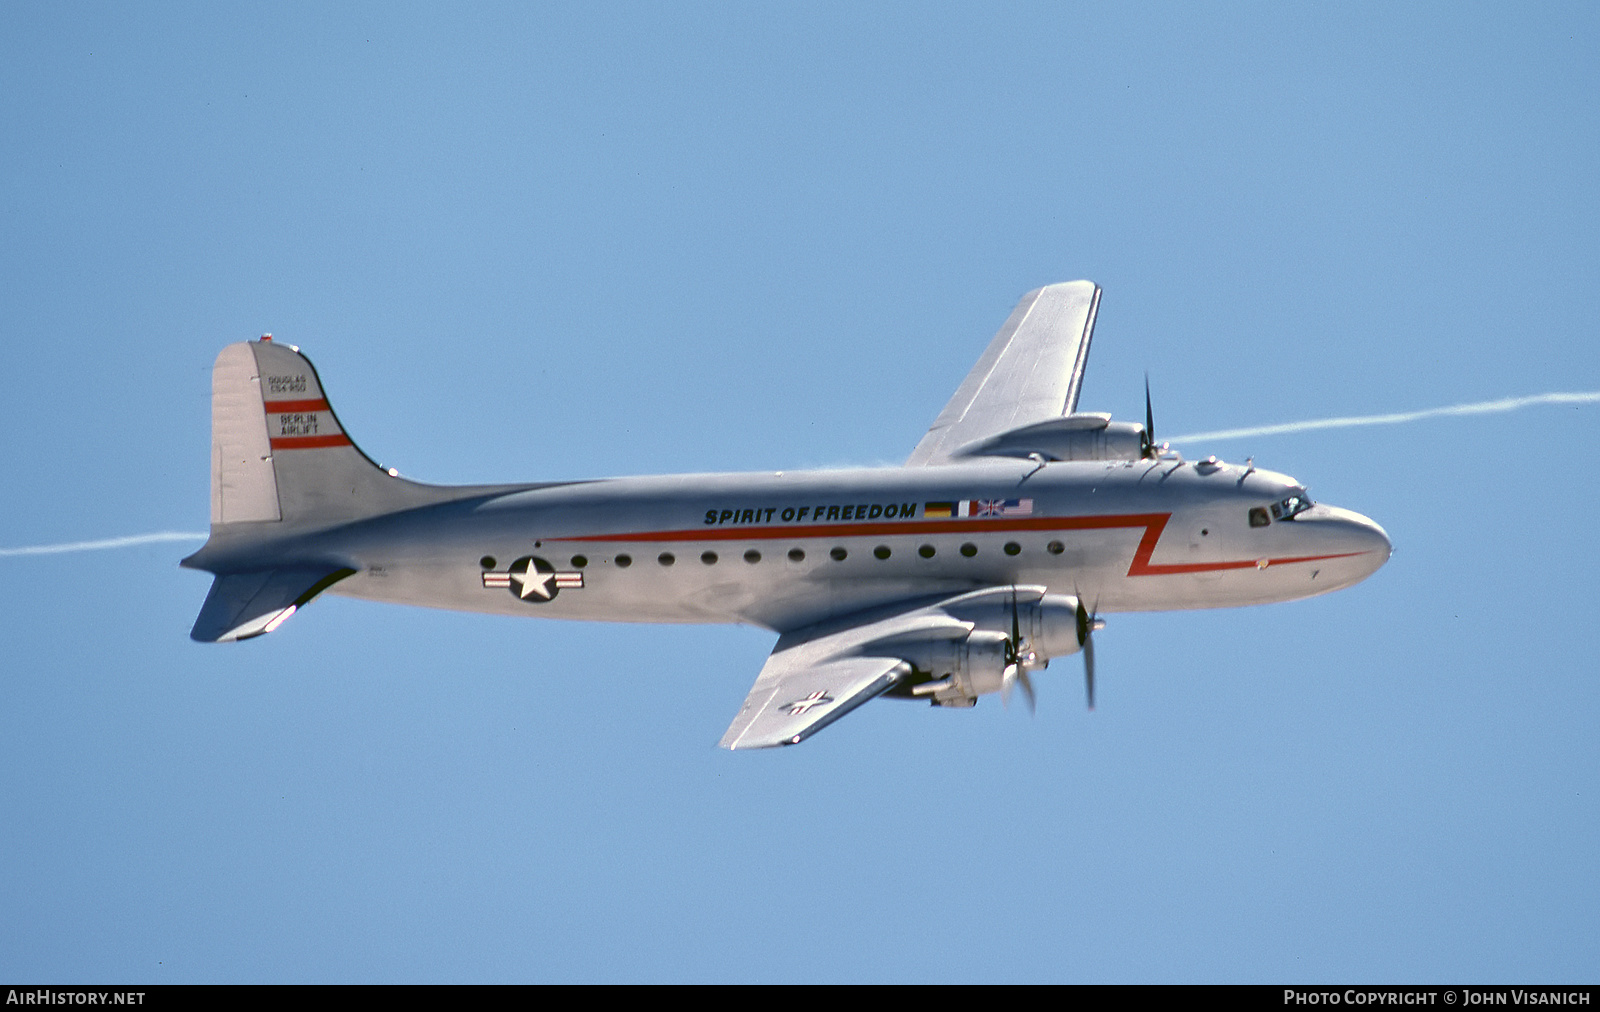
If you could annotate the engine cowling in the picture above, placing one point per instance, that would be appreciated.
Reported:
(955, 671)
(1072, 437)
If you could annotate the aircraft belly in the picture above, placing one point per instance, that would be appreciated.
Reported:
(773, 600)
(459, 589)
(774, 592)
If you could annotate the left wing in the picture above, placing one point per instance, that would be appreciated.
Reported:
(817, 675)
(1031, 372)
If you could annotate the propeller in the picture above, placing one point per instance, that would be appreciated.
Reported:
(1150, 450)
(1087, 624)
(1019, 658)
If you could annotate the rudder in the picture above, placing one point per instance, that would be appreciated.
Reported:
(244, 486)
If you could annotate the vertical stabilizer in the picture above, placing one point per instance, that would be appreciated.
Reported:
(279, 453)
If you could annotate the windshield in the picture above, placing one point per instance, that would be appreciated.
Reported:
(1288, 508)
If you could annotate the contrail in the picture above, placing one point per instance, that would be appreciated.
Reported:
(1479, 408)
(104, 543)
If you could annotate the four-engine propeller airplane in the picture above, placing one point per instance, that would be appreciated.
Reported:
(1014, 522)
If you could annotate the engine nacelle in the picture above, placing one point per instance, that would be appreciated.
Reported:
(1072, 437)
(1047, 623)
(959, 670)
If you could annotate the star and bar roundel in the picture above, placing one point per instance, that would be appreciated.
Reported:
(534, 580)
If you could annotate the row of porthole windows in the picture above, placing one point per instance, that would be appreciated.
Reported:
(837, 554)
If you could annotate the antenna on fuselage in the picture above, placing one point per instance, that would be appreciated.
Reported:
(1039, 461)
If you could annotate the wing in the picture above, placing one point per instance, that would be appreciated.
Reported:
(793, 700)
(1031, 372)
(817, 675)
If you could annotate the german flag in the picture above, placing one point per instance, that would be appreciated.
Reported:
(938, 510)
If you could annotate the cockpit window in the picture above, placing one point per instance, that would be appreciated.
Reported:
(1258, 516)
(1289, 508)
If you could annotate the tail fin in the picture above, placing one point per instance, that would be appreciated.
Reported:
(278, 451)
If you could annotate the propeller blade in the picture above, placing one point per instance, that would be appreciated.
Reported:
(1149, 421)
(1086, 627)
(1016, 629)
(1088, 669)
(1018, 659)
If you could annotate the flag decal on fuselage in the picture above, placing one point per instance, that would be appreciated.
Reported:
(977, 508)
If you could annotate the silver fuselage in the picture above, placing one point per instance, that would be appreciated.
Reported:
(787, 549)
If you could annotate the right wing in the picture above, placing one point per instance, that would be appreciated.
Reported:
(820, 673)
(792, 700)
(1031, 372)
(817, 675)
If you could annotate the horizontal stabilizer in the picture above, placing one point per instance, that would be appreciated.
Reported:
(242, 605)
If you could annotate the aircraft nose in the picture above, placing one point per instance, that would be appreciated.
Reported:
(1361, 535)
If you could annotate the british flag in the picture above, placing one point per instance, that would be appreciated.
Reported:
(1002, 507)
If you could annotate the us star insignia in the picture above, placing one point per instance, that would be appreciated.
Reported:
(534, 580)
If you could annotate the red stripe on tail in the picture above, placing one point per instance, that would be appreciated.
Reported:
(310, 442)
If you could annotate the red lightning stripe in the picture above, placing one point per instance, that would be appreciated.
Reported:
(1153, 524)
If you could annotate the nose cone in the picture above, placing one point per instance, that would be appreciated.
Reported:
(1363, 545)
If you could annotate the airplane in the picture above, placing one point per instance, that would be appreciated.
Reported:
(1016, 522)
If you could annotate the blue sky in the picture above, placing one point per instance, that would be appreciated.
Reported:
(525, 243)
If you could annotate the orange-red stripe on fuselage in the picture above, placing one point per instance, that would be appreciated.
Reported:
(1153, 524)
